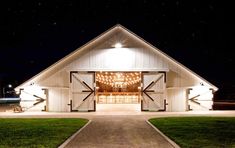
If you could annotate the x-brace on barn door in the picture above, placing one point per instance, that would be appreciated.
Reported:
(82, 91)
(153, 91)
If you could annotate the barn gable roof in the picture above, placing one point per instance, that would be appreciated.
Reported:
(67, 59)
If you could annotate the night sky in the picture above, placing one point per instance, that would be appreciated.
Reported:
(199, 34)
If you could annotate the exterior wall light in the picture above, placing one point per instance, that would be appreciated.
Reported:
(118, 45)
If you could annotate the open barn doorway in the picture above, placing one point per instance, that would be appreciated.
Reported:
(118, 91)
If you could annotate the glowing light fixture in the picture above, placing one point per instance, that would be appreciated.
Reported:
(118, 45)
(118, 79)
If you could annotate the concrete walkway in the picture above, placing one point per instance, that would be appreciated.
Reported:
(119, 131)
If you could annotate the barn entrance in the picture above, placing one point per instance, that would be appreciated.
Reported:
(118, 91)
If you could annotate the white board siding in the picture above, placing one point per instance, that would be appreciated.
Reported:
(58, 79)
(203, 95)
(179, 79)
(28, 99)
(30, 95)
(114, 59)
(135, 56)
(139, 59)
(132, 56)
(28, 106)
(176, 99)
(58, 100)
(99, 55)
(94, 59)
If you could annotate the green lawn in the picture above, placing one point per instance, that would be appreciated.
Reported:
(198, 131)
(37, 132)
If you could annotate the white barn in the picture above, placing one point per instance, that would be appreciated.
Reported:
(117, 67)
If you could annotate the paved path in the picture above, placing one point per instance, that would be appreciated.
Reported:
(119, 131)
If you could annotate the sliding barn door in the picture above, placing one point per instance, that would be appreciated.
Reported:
(153, 92)
(82, 91)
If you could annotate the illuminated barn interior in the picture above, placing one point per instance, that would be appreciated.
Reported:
(118, 87)
(117, 68)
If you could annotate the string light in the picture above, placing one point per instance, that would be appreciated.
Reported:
(118, 79)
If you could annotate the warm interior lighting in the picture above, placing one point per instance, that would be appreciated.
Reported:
(118, 80)
(118, 45)
(118, 87)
